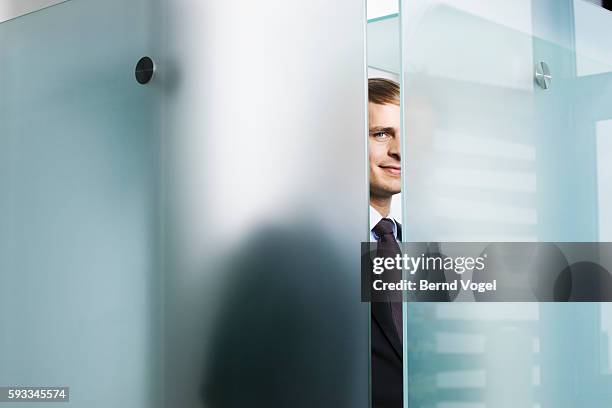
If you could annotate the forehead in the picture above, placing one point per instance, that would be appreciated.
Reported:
(387, 115)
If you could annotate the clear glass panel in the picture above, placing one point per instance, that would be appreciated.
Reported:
(489, 155)
(79, 293)
(384, 45)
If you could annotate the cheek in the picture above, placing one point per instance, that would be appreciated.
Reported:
(375, 151)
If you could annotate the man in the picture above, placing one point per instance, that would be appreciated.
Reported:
(385, 181)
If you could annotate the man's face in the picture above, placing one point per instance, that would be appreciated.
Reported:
(384, 149)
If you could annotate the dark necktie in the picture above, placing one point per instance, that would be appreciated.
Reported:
(388, 247)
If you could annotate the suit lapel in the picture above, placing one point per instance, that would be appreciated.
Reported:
(381, 312)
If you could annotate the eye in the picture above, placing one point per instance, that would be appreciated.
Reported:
(381, 136)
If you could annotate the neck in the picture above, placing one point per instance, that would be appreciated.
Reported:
(381, 204)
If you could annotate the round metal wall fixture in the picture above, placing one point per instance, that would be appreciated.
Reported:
(145, 68)
(542, 75)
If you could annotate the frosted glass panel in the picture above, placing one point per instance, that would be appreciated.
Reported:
(140, 282)
(267, 199)
(470, 150)
(604, 179)
(79, 293)
(490, 155)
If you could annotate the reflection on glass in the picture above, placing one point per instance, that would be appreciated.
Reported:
(490, 156)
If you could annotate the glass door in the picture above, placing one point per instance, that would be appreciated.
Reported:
(78, 200)
(507, 138)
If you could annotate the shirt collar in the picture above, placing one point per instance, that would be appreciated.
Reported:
(375, 217)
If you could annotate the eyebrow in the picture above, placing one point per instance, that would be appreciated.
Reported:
(377, 129)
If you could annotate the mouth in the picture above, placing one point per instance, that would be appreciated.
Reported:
(392, 170)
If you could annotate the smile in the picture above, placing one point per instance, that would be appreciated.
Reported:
(392, 170)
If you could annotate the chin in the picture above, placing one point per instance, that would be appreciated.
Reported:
(392, 191)
(393, 188)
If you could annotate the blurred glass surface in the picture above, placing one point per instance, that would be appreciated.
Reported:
(79, 272)
(264, 126)
(489, 155)
(192, 242)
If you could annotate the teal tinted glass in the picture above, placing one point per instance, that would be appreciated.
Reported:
(490, 154)
(78, 198)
